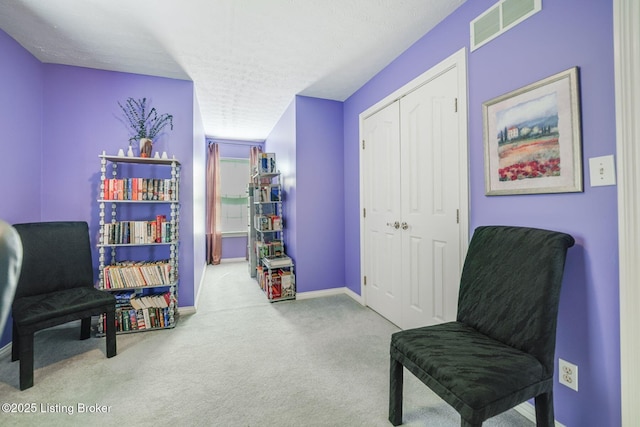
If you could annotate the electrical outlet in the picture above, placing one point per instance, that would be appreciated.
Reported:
(568, 374)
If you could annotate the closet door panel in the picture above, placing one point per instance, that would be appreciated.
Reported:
(382, 248)
(430, 188)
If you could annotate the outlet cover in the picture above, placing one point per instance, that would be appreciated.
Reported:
(568, 374)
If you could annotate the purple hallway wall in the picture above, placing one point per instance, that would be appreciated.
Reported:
(308, 145)
(282, 141)
(547, 43)
(320, 199)
(21, 83)
(199, 163)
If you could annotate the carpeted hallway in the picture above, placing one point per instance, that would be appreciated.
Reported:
(239, 361)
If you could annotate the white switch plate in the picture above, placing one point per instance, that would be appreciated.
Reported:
(602, 171)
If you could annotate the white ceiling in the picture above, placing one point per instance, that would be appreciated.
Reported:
(247, 58)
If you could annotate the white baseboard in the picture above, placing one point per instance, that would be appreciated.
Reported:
(329, 292)
(321, 293)
(200, 286)
(356, 297)
(185, 311)
(6, 349)
(528, 411)
(225, 260)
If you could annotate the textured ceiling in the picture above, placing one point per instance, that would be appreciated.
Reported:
(247, 58)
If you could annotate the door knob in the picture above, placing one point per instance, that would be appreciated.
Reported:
(405, 226)
(395, 225)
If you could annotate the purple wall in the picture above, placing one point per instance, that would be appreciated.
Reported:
(21, 82)
(320, 199)
(282, 141)
(82, 118)
(199, 195)
(547, 43)
(308, 145)
(57, 119)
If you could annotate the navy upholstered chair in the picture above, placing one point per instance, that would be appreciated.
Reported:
(55, 287)
(500, 350)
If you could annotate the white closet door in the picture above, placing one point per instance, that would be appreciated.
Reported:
(430, 188)
(382, 240)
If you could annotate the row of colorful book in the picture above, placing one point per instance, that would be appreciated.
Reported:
(130, 274)
(137, 232)
(268, 222)
(142, 312)
(268, 194)
(139, 189)
(265, 163)
(277, 285)
(269, 249)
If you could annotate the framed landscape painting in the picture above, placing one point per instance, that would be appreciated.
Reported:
(532, 138)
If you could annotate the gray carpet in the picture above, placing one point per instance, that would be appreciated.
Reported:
(239, 361)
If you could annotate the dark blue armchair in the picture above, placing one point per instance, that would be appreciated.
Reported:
(500, 350)
(55, 287)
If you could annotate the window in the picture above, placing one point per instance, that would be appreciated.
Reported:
(234, 178)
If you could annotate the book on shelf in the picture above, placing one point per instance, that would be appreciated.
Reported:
(138, 189)
(268, 222)
(130, 274)
(267, 163)
(268, 193)
(260, 276)
(275, 286)
(157, 230)
(275, 194)
(264, 194)
(276, 222)
(276, 248)
(137, 312)
(286, 279)
(273, 248)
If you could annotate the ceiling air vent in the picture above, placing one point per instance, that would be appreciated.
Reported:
(499, 18)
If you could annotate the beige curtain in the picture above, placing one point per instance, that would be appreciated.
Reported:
(214, 206)
(253, 160)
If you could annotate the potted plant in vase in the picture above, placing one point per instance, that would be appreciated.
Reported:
(144, 123)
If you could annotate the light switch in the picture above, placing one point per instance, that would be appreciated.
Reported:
(602, 171)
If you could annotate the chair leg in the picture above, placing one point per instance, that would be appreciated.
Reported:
(15, 344)
(26, 361)
(465, 423)
(111, 333)
(85, 328)
(396, 381)
(544, 410)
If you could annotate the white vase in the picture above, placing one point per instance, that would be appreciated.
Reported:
(130, 152)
